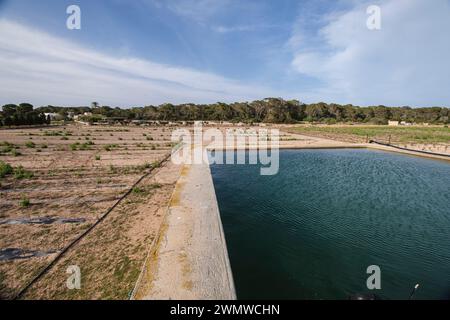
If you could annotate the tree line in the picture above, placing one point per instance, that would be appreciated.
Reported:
(270, 110)
(22, 114)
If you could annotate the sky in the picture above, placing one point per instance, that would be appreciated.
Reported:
(148, 52)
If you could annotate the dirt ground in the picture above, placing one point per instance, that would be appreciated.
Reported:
(78, 172)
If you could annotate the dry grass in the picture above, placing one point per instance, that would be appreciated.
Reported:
(427, 138)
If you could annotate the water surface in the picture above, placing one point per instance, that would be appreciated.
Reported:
(311, 231)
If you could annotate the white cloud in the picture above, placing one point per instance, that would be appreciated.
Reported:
(44, 69)
(406, 62)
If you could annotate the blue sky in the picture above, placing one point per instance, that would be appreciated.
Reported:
(140, 52)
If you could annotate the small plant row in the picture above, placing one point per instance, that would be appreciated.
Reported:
(9, 148)
(56, 133)
(19, 173)
(81, 146)
(145, 190)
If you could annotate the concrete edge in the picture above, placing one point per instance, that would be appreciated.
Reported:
(345, 146)
(226, 257)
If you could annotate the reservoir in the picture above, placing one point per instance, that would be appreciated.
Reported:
(312, 230)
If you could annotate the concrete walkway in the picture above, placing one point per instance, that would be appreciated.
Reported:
(190, 260)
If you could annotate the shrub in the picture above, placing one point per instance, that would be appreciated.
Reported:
(156, 164)
(109, 147)
(137, 190)
(52, 133)
(30, 144)
(146, 189)
(20, 173)
(6, 147)
(24, 202)
(84, 146)
(5, 169)
(146, 165)
(97, 157)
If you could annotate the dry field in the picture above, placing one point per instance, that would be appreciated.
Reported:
(63, 180)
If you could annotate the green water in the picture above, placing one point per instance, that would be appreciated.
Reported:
(311, 231)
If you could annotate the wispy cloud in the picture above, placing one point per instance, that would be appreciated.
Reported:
(224, 29)
(197, 10)
(44, 69)
(244, 28)
(406, 62)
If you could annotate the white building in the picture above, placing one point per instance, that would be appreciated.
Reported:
(53, 116)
